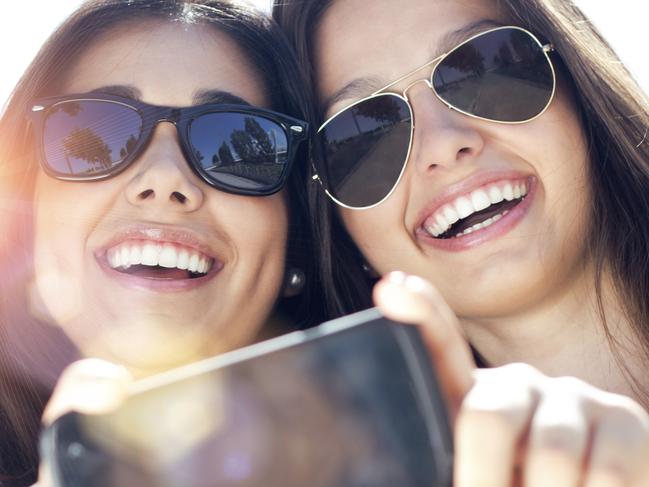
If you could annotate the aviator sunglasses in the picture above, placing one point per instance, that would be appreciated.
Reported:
(502, 75)
(235, 148)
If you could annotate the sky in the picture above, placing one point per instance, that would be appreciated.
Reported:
(25, 25)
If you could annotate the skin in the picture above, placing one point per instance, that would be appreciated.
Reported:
(145, 328)
(522, 296)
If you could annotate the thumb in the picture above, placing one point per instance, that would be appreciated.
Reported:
(90, 386)
(411, 299)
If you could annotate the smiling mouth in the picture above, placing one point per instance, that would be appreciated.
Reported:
(480, 209)
(153, 260)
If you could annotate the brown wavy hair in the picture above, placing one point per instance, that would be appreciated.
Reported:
(614, 115)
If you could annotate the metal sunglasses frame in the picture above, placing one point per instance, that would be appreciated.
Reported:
(181, 117)
(545, 48)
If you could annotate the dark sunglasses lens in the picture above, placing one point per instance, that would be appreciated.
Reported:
(240, 151)
(363, 150)
(502, 75)
(89, 138)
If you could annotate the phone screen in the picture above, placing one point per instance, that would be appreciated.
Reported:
(355, 407)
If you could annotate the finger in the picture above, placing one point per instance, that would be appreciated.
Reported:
(620, 445)
(410, 299)
(558, 439)
(492, 420)
(90, 386)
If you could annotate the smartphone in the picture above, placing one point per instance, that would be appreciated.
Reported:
(351, 403)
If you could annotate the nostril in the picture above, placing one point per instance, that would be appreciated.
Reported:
(145, 194)
(179, 197)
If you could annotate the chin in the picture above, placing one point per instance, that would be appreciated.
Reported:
(147, 343)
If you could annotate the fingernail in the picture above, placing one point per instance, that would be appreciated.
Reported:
(397, 277)
(94, 368)
(417, 284)
(412, 283)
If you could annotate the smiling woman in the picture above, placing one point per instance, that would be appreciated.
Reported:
(148, 209)
(497, 149)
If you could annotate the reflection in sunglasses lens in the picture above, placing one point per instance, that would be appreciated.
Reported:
(364, 149)
(89, 137)
(503, 75)
(240, 150)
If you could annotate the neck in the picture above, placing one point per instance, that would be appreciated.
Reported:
(565, 335)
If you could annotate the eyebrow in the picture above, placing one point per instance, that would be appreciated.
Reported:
(126, 91)
(217, 96)
(199, 97)
(363, 87)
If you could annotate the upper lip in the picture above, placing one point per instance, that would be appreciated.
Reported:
(464, 187)
(162, 233)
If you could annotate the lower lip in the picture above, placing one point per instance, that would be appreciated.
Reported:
(492, 232)
(159, 285)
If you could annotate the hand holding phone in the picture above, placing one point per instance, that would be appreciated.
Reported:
(353, 402)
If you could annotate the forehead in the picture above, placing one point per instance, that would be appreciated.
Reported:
(380, 40)
(167, 62)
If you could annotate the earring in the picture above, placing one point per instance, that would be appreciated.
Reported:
(294, 282)
(369, 271)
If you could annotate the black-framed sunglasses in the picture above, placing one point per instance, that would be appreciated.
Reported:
(235, 148)
(502, 75)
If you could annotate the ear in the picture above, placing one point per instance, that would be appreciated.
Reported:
(294, 281)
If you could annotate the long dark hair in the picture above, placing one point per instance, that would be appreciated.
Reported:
(22, 339)
(614, 116)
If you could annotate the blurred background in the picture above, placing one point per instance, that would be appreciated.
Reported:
(25, 25)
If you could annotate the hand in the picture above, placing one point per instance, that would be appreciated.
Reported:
(513, 425)
(89, 386)
(517, 426)
(410, 299)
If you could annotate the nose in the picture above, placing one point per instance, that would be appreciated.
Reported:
(163, 179)
(442, 138)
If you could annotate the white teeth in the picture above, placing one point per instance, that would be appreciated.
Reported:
(124, 256)
(495, 196)
(136, 255)
(113, 259)
(168, 257)
(155, 254)
(478, 200)
(434, 230)
(508, 192)
(193, 263)
(183, 259)
(480, 225)
(450, 214)
(463, 207)
(150, 254)
(441, 221)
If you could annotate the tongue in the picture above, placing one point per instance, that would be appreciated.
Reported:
(156, 272)
(479, 217)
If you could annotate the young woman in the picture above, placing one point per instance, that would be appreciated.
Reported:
(150, 216)
(497, 149)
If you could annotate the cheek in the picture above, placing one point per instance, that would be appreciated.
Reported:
(379, 234)
(65, 216)
(564, 174)
(59, 237)
(259, 229)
